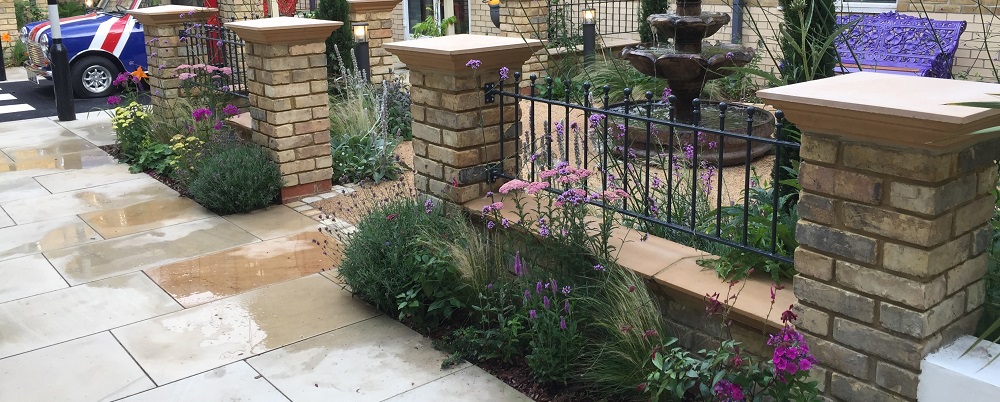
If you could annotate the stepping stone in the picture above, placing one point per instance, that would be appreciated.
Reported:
(93, 368)
(215, 334)
(237, 270)
(368, 361)
(99, 260)
(49, 318)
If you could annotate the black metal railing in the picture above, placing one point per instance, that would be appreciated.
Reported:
(720, 178)
(305, 6)
(220, 47)
(565, 18)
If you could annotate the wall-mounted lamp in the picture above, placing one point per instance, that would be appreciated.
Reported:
(360, 31)
(494, 12)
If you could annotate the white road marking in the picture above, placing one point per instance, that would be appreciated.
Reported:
(23, 107)
(5, 97)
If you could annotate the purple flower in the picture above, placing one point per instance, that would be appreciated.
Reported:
(532, 314)
(562, 323)
(504, 73)
(505, 223)
(545, 302)
(231, 110)
(474, 64)
(201, 114)
(114, 100)
(518, 265)
(599, 267)
(218, 125)
(538, 287)
(666, 95)
(490, 225)
(727, 391)
(566, 306)
(729, 55)
(489, 286)
(791, 354)
(218, 43)
(527, 294)
(566, 290)
(595, 120)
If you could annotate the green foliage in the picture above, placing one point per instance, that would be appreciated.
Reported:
(618, 74)
(18, 54)
(153, 156)
(555, 341)
(387, 258)
(562, 33)
(647, 8)
(807, 34)
(361, 141)
(497, 330)
(398, 104)
(27, 11)
(131, 125)
(341, 42)
(236, 177)
(432, 297)
(430, 26)
(71, 9)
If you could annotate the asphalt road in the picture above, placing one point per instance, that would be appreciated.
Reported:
(22, 100)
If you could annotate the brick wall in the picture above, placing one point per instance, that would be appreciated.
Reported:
(8, 24)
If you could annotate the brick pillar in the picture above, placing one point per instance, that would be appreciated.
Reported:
(893, 223)
(8, 25)
(378, 15)
(238, 10)
(455, 135)
(527, 19)
(165, 51)
(286, 80)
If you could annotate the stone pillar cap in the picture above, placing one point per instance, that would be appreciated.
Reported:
(172, 14)
(284, 30)
(450, 53)
(360, 6)
(893, 109)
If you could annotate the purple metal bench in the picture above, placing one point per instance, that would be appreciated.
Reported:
(898, 44)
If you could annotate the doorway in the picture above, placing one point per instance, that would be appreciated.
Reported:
(418, 11)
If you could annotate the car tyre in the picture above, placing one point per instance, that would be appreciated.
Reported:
(93, 77)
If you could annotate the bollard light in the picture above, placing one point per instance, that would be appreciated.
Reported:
(360, 30)
(589, 17)
(61, 83)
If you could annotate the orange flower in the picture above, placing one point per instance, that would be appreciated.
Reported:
(5, 37)
(138, 73)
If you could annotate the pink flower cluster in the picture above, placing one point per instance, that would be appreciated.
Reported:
(791, 354)
(726, 391)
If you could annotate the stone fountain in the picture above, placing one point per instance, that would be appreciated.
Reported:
(691, 62)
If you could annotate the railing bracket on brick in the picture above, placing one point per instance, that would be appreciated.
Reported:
(489, 94)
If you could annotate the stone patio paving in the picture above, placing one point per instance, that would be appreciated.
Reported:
(116, 287)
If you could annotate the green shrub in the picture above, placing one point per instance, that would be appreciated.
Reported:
(234, 178)
(131, 124)
(647, 8)
(342, 40)
(18, 54)
(71, 9)
(386, 258)
(153, 156)
(26, 11)
(398, 105)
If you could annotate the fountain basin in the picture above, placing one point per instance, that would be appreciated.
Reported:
(667, 63)
(734, 149)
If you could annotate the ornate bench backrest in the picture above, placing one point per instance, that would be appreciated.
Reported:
(898, 41)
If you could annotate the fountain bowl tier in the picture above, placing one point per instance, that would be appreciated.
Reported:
(714, 62)
(688, 30)
(734, 149)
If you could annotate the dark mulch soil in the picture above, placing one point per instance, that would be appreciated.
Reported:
(114, 150)
(517, 374)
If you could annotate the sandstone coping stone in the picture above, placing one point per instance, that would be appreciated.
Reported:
(448, 54)
(284, 30)
(363, 6)
(887, 108)
(171, 14)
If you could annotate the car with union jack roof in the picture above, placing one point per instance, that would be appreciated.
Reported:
(100, 44)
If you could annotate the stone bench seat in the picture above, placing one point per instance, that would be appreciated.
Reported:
(894, 43)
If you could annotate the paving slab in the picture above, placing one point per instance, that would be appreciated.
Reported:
(5, 220)
(93, 368)
(368, 361)
(109, 196)
(19, 189)
(55, 164)
(103, 259)
(24, 128)
(215, 334)
(28, 276)
(5, 159)
(233, 382)
(80, 179)
(144, 216)
(49, 318)
(468, 384)
(237, 270)
(274, 221)
(94, 127)
(52, 234)
(45, 148)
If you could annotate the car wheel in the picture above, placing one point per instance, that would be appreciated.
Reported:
(92, 77)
